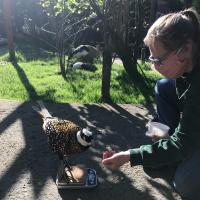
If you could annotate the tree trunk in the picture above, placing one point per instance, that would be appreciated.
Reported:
(106, 75)
(153, 11)
(8, 28)
(60, 41)
(61, 52)
(126, 31)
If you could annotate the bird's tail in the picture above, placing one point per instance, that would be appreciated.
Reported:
(41, 109)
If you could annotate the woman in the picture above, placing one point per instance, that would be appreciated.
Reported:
(174, 44)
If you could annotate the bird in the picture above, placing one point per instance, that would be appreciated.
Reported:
(86, 52)
(85, 66)
(64, 137)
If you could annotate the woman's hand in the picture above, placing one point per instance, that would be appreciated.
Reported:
(108, 153)
(115, 160)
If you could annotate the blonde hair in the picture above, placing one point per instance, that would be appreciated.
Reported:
(175, 29)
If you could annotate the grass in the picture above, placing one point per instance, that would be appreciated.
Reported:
(34, 79)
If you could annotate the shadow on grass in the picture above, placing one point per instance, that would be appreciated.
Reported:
(29, 88)
(148, 92)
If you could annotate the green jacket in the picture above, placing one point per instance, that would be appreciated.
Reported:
(186, 138)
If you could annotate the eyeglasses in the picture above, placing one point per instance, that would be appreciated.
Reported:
(159, 61)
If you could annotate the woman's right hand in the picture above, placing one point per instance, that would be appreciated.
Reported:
(115, 160)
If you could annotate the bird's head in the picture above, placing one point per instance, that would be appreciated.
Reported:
(85, 137)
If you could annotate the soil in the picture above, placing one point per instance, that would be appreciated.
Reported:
(28, 168)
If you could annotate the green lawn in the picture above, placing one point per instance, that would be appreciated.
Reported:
(40, 79)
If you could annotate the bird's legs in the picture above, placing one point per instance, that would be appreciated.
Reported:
(66, 163)
(69, 176)
(61, 170)
(62, 173)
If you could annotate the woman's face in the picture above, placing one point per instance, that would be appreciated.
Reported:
(169, 64)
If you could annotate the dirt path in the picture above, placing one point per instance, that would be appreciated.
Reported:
(28, 168)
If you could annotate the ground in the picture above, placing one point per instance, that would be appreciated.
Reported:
(28, 168)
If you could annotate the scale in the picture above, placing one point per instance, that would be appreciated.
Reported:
(77, 177)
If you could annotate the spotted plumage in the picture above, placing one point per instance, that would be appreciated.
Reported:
(64, 137)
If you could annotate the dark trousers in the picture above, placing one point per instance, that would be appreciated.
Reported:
(187, 175)
(168, 110)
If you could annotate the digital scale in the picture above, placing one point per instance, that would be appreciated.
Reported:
(77, 177)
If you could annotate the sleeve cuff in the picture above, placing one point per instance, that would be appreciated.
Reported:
(135, 157)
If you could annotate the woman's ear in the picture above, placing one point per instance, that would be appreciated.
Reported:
(188, 47)
(185, 51)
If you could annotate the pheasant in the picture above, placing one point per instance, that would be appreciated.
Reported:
(64, 137)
